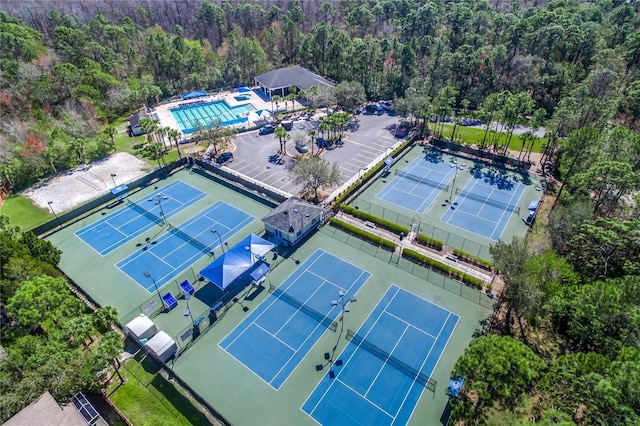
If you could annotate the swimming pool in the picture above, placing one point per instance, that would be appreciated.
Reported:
(207, 114)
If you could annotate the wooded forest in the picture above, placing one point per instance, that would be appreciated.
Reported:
(564, 345)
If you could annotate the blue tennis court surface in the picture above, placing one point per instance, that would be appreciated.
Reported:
(370, 387)
(275, 337)
(418, 185)
(112, 231)
(485, 206)
(170, 254)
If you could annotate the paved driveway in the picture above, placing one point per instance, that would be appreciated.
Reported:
(256, 157)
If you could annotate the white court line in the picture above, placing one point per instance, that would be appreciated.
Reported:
(275, 337)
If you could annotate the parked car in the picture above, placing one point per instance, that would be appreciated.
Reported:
(302, 148)
(224, 157)
(267, 129)
(401, 131)
(322, 143)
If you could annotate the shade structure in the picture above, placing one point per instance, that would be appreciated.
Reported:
(223, 271)
(259, 117)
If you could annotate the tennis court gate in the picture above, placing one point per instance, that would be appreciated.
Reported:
(447, 238)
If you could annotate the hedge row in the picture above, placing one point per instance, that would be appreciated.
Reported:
(430, 242)
(383, 223)
(337, 203)
(443, 267)
(376, 239)
(367, 176)
(478, 261)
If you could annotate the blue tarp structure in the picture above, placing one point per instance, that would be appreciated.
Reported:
(243, 89)
(533, 205)
(260, 271)
(193, 95)
(237, 260)
(455, 386)
(118, 191)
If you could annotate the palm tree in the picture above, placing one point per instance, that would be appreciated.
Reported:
(49, 155)
(174, 135)
(283, 136)
(276, 99)
(110, 131)
(109, 349)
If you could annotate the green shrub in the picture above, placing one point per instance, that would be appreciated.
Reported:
(430, 242)
(478, 261)
(442, 267)
(383, 223)
(376, 239)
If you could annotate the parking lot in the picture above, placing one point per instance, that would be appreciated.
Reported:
(256, 155)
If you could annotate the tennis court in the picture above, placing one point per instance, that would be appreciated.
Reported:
(485, 205)
(164, 258)
(417, 186)
(279, 333)
(385, 368)
(112, 231)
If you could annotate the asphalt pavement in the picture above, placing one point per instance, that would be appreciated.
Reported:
(366, 139)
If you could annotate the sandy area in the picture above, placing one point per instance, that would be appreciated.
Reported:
(86, 182)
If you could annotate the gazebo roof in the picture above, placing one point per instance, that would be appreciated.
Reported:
(296, 75)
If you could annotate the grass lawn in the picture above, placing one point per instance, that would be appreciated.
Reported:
(473, 135)
(23, 213)
(148, 399)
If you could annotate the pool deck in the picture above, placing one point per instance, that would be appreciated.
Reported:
(166, 118)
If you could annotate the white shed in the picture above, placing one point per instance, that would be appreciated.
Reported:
(141, 327)
(162, 346)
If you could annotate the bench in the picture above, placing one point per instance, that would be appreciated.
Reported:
(370, 224)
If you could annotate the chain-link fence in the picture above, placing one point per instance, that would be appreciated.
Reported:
(433, 276)
(448, 239)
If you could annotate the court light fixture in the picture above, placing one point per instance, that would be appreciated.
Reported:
(215, 231)
(155, 284)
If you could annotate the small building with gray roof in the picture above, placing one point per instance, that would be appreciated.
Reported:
(293, 219)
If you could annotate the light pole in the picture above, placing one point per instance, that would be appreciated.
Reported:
(344, 304)
(187, 296)
(328, 356)
(453, 184)
(159, 204)
(53, 211)
(215, 231)
(113, 175)
(148, 275)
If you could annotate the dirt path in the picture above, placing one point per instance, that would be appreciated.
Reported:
(70, 189)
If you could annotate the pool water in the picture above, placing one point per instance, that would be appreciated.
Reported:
(207, 114)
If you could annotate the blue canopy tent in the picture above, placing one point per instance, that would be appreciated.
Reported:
(533, 205)
(193, 95)
(237, 260)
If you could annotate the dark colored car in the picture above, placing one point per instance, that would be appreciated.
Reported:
(302, 148)
(322, 143)
(267, 129)
(224, 157)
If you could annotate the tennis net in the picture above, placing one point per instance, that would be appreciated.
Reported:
(203, 247)
(422, 180)
(146, 212)
(505, 206)
(322, 319)
(385, 356)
